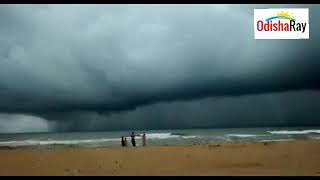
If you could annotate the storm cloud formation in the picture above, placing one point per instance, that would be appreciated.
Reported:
(90, 67)
(277, 109)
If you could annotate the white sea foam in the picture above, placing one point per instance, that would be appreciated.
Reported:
(187, 137)
(160, 135)
(295, 132)
(167, 136)
(315, 137)
(244, 135)
(277, 140)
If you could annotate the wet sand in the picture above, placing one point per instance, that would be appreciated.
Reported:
(272, 158)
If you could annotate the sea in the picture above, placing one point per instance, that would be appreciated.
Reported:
(159, 137)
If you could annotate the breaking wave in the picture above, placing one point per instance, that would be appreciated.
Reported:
(244, 135)
(295, 132)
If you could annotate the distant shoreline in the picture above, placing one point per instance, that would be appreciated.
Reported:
(53, 147)
(157, 138)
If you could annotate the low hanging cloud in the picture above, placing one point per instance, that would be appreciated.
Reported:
(23, 124)
(62, 59)
(295, 108)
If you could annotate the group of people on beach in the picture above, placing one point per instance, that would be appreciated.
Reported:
(124, 142)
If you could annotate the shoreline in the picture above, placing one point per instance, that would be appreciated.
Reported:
(300, 157)
(63, 146)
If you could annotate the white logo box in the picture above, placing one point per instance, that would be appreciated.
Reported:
(300, 23)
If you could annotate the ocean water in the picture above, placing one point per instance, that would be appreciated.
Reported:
(159, 137)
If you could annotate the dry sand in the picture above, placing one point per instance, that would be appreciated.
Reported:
(276, 158)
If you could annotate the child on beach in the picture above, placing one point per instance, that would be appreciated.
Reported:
(125, 142)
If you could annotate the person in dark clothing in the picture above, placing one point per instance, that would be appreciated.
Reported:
(123, 142)
(133, 140)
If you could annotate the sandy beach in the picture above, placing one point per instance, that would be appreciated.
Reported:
(272, 158)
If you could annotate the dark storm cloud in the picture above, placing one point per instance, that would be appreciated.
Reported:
(294, 108)
(61, 58)
(83, 59)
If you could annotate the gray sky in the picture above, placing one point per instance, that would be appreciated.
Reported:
(90, 67)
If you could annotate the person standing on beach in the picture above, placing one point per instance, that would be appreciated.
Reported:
(144, 139)
(133, 140)
(125, 142)
(122, 141)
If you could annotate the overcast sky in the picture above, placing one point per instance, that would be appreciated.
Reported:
(105, 67)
